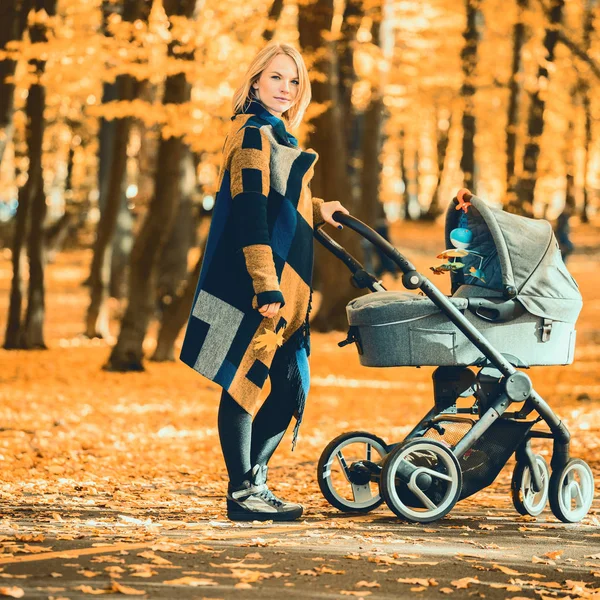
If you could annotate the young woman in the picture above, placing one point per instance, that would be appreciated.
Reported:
(249, 319)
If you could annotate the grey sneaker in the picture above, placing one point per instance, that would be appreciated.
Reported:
(254, 501)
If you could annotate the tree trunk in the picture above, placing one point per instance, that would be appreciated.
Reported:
(443, 137)
(56, 234)
(33, 334)
(124, 238)
(97, 324)
(513, 103)
(97, 318)
(177, 314)
(106, 144)
(330, 180)
(414, 188)
(29, 334)
(588, 30)
(12, 338)
(562, 227)
(353, 123)
(274, 14)
(127, 354)
(469, 65)
(404, 174)
(569, 158)
(13, 19)
(588, 149)
(370, 208)
(172, 265)
(535, 119)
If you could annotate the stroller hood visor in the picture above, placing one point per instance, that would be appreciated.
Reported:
(517, 252)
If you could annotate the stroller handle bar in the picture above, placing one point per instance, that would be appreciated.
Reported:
(369, 234)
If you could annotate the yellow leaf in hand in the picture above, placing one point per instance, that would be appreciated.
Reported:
(269, 340)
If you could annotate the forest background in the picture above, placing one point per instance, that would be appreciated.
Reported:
(113, 114)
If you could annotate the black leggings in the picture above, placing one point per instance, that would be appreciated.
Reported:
(246, 442)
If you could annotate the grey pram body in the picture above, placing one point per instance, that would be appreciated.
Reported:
(520, 254)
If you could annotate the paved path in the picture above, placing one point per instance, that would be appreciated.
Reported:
(472, 553)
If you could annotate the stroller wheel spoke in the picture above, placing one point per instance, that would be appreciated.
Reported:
(435, 474)
(369, 451)
(577, 495)
(419, 493)
(361, 493)
(343, 464)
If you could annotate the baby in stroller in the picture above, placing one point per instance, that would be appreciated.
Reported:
(513, 305)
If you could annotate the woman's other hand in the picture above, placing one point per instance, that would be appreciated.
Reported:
(327, 210)
(269, 310)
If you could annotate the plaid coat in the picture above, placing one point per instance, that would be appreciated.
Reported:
(259, 251)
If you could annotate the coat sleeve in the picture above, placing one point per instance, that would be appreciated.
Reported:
(249, 167)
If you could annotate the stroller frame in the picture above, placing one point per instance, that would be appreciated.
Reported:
(451, 383)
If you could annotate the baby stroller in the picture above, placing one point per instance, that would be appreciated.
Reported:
(513, 305)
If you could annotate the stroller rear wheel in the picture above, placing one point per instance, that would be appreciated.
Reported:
(571, 491)
(348, 471)
(421, 480)
(526, 500)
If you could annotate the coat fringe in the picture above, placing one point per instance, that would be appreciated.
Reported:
(294, 371)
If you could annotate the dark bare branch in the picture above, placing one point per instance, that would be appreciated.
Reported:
(565, 39)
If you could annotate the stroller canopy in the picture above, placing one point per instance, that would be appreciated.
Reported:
(519, 253)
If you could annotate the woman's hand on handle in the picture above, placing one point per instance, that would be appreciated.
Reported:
(269, 310)
(327, 210)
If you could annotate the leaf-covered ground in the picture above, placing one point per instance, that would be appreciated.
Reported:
(91, 458)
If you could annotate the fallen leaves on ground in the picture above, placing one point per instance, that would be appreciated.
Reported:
(191, 581)
(509, 587)
(146, 452)
(12, 592)
(114, 588)
(366, 584)
(423, 582)
(464, 582)
(506, 570)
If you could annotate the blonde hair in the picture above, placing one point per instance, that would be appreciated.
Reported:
(245, 94)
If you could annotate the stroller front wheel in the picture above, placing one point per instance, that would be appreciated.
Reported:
(571, 491)
(526, 500)
(348, 471)
(421, 480)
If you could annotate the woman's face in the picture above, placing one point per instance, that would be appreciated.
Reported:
(277, 87)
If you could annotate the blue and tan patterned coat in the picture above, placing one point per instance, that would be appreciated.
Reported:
(259, 250)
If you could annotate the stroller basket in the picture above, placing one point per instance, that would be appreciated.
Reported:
(481, 464)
